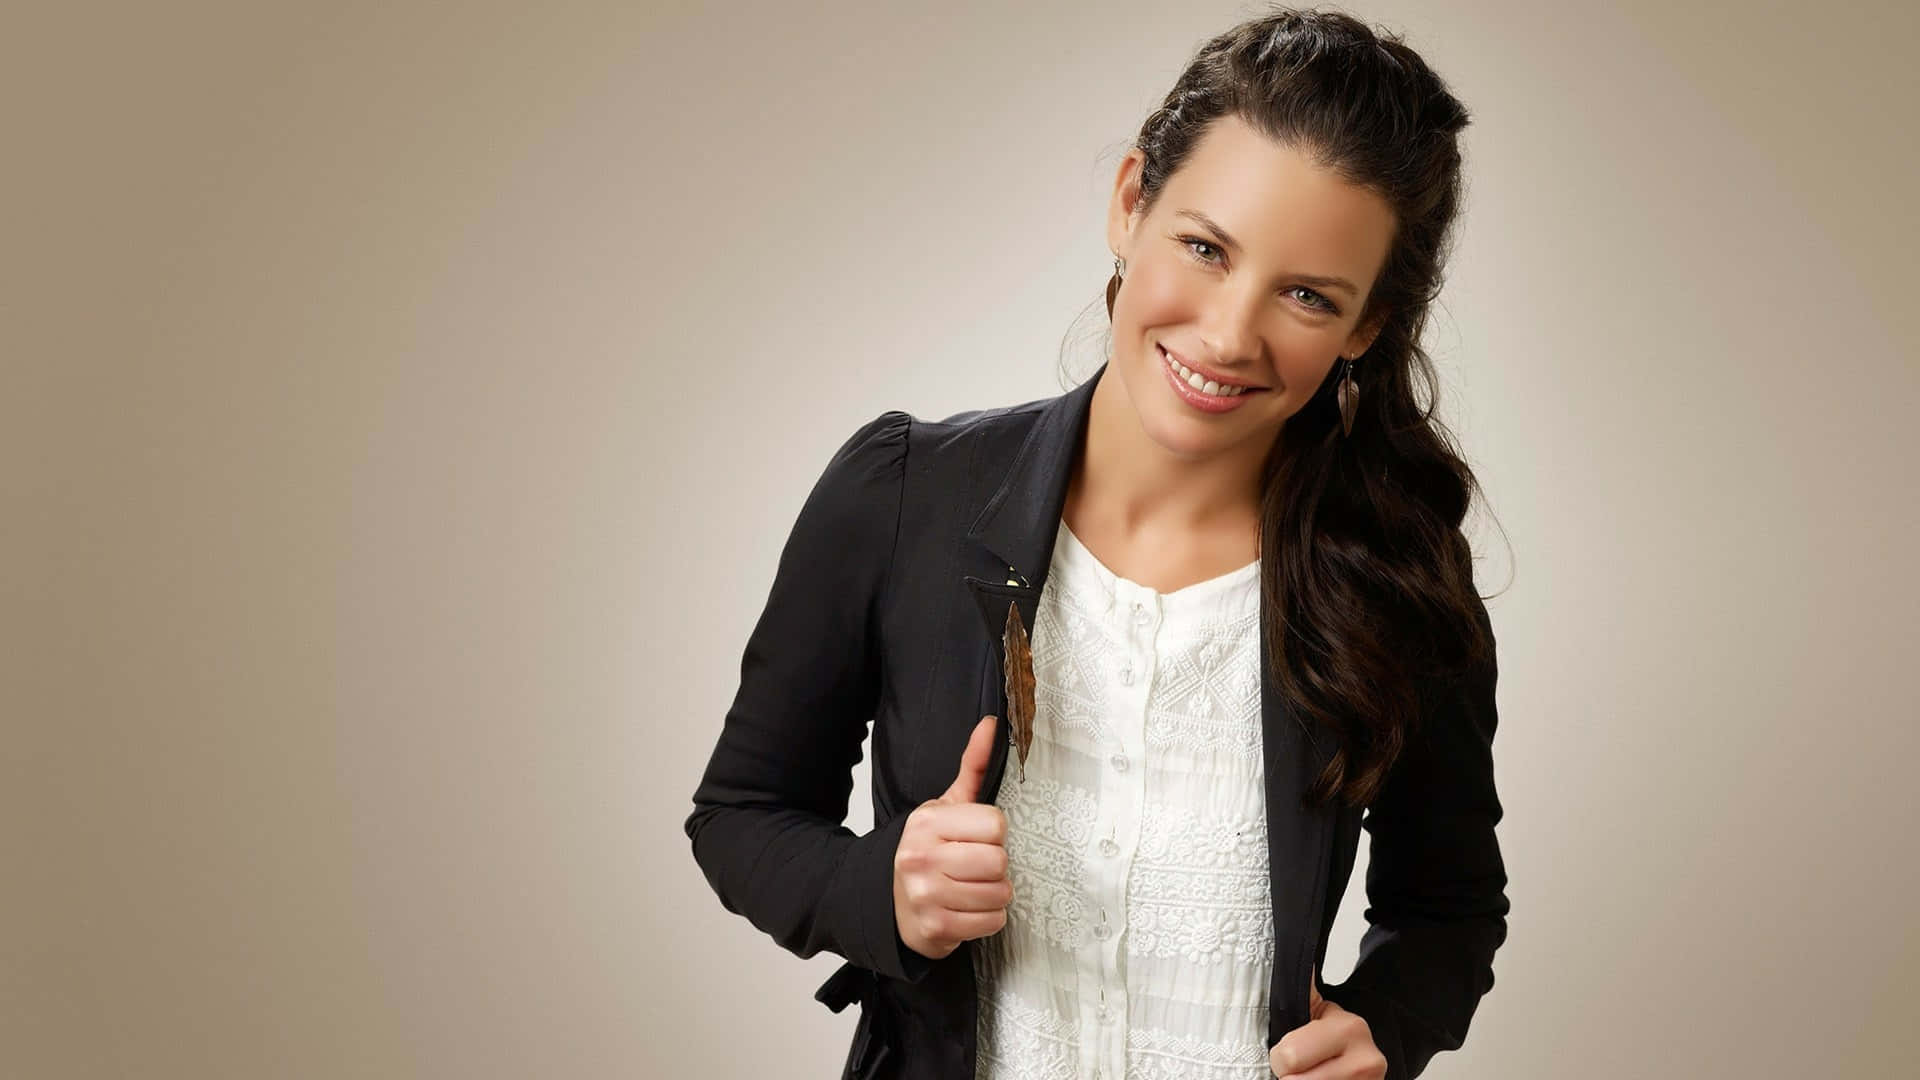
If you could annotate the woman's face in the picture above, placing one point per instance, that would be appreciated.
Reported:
(1221, 276)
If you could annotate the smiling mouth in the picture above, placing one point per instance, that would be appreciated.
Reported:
(1202, 382)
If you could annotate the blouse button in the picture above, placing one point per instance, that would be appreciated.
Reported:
(1108, 847)
(1119, 762)
(1126, 675)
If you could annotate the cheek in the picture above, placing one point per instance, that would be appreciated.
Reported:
(1157, 295)
(1302, 376)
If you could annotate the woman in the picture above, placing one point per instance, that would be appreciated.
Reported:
(1253, 618)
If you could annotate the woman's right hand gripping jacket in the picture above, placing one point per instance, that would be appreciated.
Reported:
(950, 871)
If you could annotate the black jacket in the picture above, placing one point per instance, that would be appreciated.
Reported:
(886, 610)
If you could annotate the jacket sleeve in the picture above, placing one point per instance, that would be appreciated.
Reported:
(1436, 883)
(766, 826)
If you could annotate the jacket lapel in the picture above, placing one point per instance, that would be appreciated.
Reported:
(1014, 533)
(1021, 518)
(1299, 847)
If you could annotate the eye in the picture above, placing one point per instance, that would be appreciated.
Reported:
(1318, 301)
(1190, 241)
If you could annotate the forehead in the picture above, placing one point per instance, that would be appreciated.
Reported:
(1278, 203)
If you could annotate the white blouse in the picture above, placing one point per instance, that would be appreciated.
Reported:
(1139, 942)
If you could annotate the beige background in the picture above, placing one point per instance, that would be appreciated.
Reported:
(402, 410)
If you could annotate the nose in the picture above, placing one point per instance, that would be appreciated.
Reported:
(1232, 330)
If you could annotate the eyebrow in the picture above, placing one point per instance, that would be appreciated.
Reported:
(1227, 240)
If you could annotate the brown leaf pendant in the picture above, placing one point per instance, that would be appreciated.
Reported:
(1348, 393)
(1019, 672)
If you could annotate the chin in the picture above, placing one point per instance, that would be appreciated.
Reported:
(1187, 436)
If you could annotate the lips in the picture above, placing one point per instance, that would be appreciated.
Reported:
(1205, 373)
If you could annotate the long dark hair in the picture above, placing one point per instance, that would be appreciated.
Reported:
(1366, 578)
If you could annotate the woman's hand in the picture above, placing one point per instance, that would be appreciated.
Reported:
(950, 870)
(1334, 1045)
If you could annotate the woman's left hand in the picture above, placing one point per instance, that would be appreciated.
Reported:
(1334, 1045)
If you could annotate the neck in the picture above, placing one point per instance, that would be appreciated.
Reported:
(1133, 486)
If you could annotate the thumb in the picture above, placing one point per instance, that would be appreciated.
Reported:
(973, 764)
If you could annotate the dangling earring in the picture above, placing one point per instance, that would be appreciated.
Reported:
(1348, 396)
(1113, 283)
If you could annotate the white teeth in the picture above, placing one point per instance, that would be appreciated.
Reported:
(1200, 383)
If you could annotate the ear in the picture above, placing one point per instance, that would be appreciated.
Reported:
(1125, 201)
(1362, 337)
